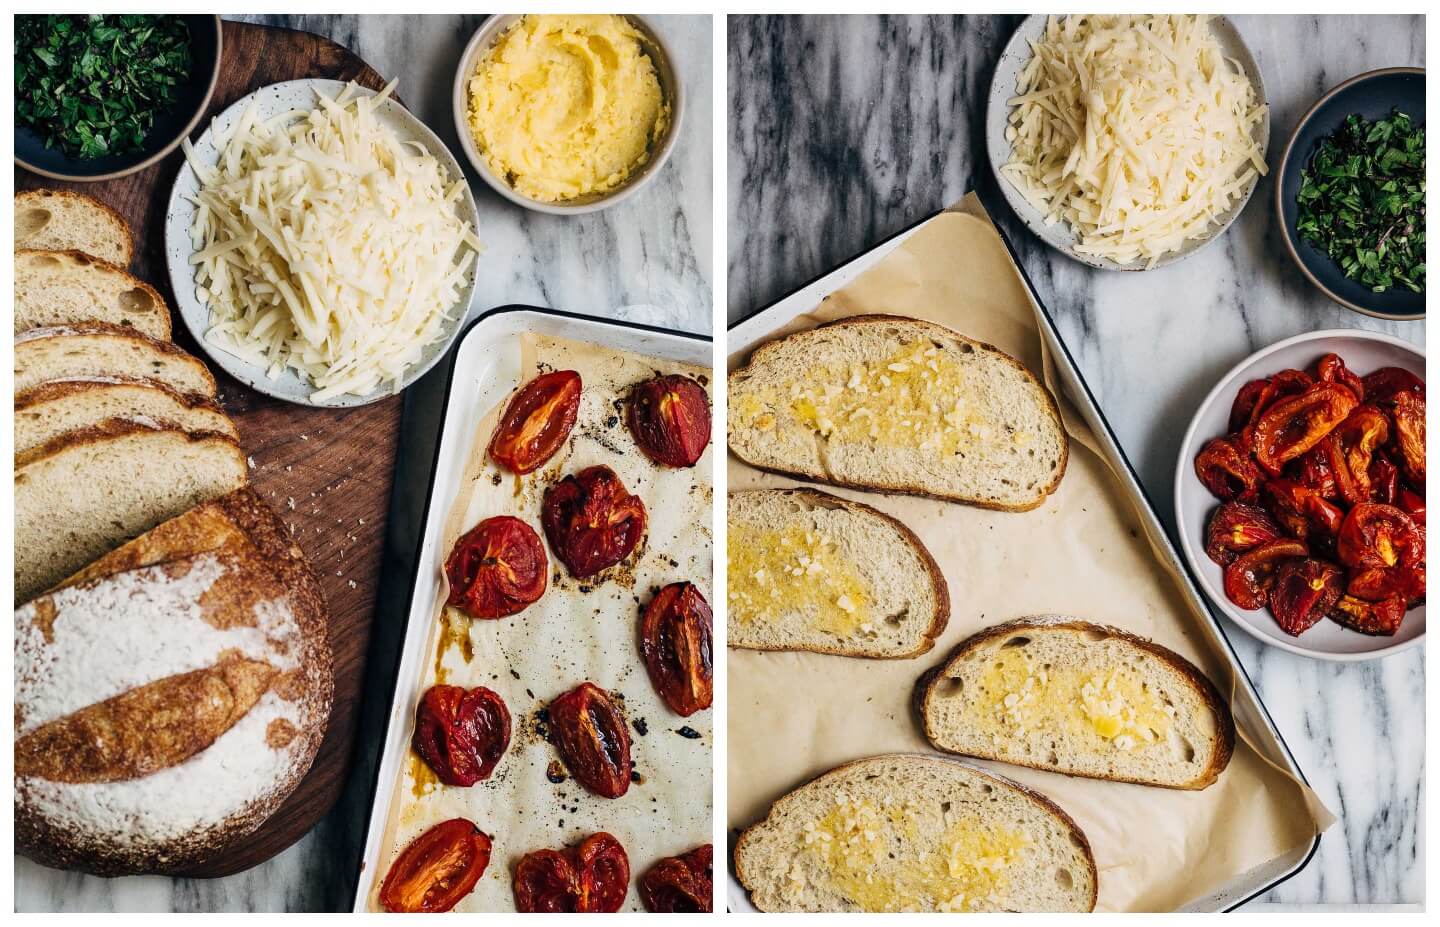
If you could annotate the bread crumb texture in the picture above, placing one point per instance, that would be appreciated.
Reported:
(794, 571)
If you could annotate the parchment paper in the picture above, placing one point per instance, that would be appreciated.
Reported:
(1083, 553)
(579, 631)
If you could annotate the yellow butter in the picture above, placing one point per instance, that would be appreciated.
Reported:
(772, 573)
(565, 106)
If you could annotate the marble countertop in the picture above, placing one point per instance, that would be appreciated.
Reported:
(844, 130)
(645, 260)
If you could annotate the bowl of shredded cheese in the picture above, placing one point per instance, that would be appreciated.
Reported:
(321, 243)
(1127, 142)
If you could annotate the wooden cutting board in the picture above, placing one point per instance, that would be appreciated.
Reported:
(326, 472)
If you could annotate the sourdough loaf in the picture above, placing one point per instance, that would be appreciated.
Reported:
(170, 696)
(906, 832)
(809, 570)
(72, 287)
(86, 492)
(99, 350)
(60, 220)
(54, 407)
(1070, 696)
(899, 405)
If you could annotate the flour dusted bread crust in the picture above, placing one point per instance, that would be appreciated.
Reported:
(54, 407)
(908, 832)
(171, 695)
(899, 405)
(60, 220)
(812, 571)
(72, 287)
(1066, 695)
(100, 350)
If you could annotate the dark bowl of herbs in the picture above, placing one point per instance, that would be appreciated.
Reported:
(101, 96)
(1351, 194)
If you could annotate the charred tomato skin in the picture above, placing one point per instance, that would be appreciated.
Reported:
(1248, 580)
(437, 869)
(1303, 593)
(675, 643)
(591, 878)
(592, 521)
(1381, 619)
(461, 734)
(590, 734)
(497, 568)
(1227, 471)
(669, 417)
(1294, 425)
(1383, 385)
(1237, 527)
(680, 884)
(536, 421)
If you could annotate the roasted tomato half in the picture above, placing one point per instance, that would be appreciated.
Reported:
(1375, 535)
(680, 884)
(1302, 512)
(1331, 369)
(1409, 437)
(590, 734)
(437, 869)
(1384, 480)
(1303, 593)
(1380, 583)
(1378, 618)
(1253, 402)
(670, 419)
(461, 733)
(1235, 528)
(537, 421)
(591, 878)
(497, 568)
(1412, 504)
(1295, 424)
(592, 520)
(675, 644)
(1363, 430)
(1249, 578)
(1226, 470)
(1383, 385)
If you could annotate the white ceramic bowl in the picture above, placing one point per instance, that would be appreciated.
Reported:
(1363, 352)
(481, 41)
(275, 100)
(1059, 235)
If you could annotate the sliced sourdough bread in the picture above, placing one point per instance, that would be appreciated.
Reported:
(71, 287)
(906, 832)
(54, 407)
(58, 220)
(171, 696)
(812, 571)
(98, 350)
(899, 405)
(86, 492)
(1065, 695)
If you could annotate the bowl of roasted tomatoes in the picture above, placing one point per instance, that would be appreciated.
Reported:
(1300, 495)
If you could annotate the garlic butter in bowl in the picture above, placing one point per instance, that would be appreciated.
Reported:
(566, 113)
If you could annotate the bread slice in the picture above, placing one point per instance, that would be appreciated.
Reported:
(98, 350)
(1061, 694)
(899, 405)
(58, 220)
(906, 832)
(71, 287)
(812, 571)
(54, 407)
(89, 491)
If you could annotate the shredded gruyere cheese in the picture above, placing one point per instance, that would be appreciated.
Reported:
(1135, 130)
(325, 244)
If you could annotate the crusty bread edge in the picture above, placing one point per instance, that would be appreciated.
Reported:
(879, 318)
(1025, 791)
(40, 193)
(48, 390)
(112, 428)
(119, 331)
(937, 579)
(134, 281)
(1225, 722)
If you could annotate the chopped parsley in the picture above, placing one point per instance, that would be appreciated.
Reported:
(1362, 201)
(92, 85)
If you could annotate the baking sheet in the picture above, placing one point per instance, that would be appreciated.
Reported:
(1084, 552)
(578, 631)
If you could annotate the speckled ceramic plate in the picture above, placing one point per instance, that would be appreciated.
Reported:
(1059, 235)
(276, 100)
(1364, 352)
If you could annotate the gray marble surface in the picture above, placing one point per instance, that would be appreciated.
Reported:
(844, 130)
(646, 260)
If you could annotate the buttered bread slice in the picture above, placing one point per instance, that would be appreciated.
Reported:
(1065, 695)
(905, 832)
(900, 405)
(812, 571)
